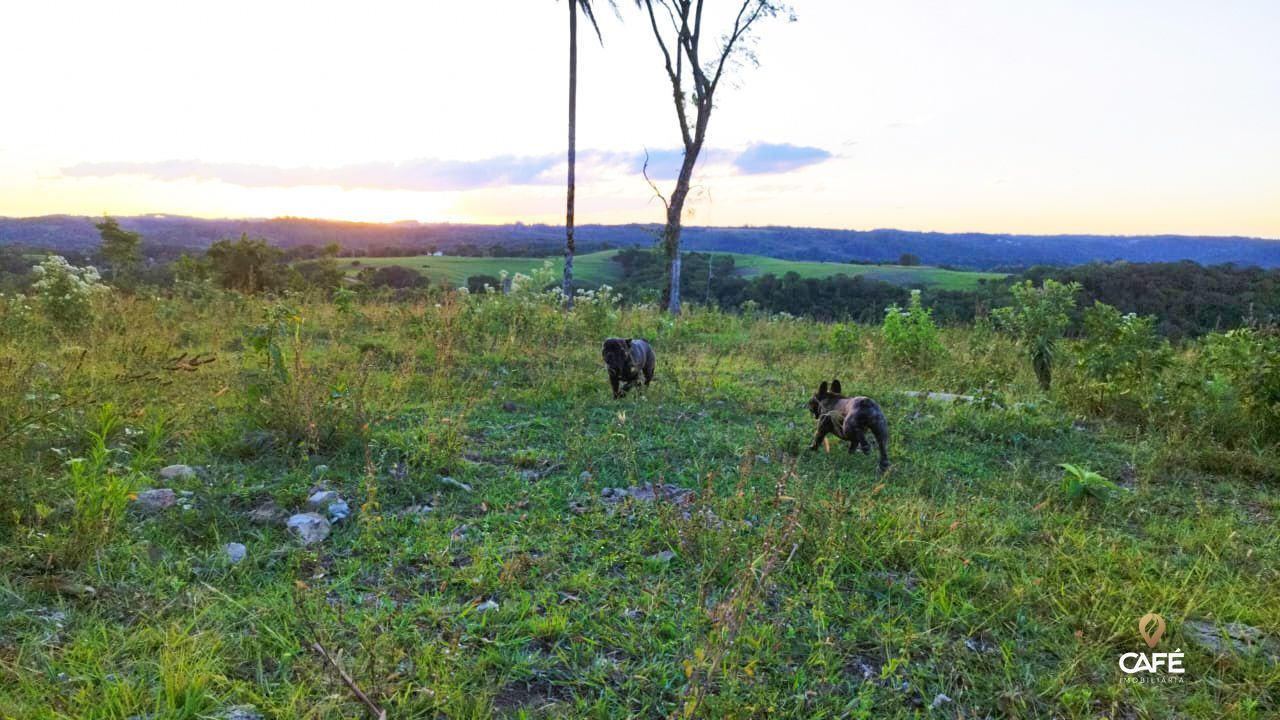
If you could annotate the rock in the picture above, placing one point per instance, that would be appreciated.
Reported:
(460, 532)
(1235, 637)
(155, 500)
(235, 552)
(508, 406)
(57, 617)
(321, 499)
(339, 511)
(486, 606)
(584, 476)
(664, 556)
(446, 480)
(415, 510)
(267, 513)
(906, 580)
(979, 645)
(240, 712)
(939, 700)
(177, 472)
(632, 614)
(940, 396)
(705, 516)
(648, 493)
(309, 528)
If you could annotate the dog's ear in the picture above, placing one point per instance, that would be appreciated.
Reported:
(628, 343)
(822, 389)
(835, 387)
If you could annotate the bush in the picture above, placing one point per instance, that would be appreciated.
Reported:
(1037, 319)
(910, 334)
(395, 276)
(65, 292)
(293, 399)
(480, 284)
(1248, 361)
(844, 339)
(1121, 359)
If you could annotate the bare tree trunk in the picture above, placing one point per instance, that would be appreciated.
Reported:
(678, 54)
(671, 233)
(573, 133)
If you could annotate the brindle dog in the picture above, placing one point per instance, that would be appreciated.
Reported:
(628, 359)
(848, 418)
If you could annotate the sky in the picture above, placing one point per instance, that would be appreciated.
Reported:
(1079, 116)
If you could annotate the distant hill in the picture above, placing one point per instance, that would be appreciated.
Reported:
(966, 250)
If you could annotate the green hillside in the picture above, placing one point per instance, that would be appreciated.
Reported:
(598, 268)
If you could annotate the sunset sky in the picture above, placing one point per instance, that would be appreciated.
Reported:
(1142, 116)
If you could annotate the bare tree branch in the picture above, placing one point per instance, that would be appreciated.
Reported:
(645, 171)
(676, 85)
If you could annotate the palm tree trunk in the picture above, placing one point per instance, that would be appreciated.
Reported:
(573, 133)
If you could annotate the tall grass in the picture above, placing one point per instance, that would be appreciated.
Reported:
(801, 585)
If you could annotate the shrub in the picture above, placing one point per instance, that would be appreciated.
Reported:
(844, 339)
(311, 408)
(344, 301)
(1121, 358)
(910, 334)
(1037, 319)
(394, 276)
(65, 292)
(1248, 361)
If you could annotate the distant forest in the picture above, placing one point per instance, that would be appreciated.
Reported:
(169, 235)
(1187, 298)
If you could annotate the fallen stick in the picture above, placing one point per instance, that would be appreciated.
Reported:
(373, 708)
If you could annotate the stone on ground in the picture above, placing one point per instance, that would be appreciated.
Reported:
(310, 528)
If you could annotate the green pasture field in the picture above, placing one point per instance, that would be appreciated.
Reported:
(598, 268)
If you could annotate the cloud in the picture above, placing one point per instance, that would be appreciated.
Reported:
(427, 175)
(439, 175)
(770, 158)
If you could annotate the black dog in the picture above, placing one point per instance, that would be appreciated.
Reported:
(627, 359)
(848, 418)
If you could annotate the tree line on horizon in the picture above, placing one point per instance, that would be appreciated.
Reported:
(1189, 299)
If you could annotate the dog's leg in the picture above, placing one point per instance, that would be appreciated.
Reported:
(613, 382)
(880, 428)
(859, 442)
(824, 427)
(853, 432)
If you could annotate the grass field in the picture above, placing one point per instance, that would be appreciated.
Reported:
(963, 584)
(597, 268)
